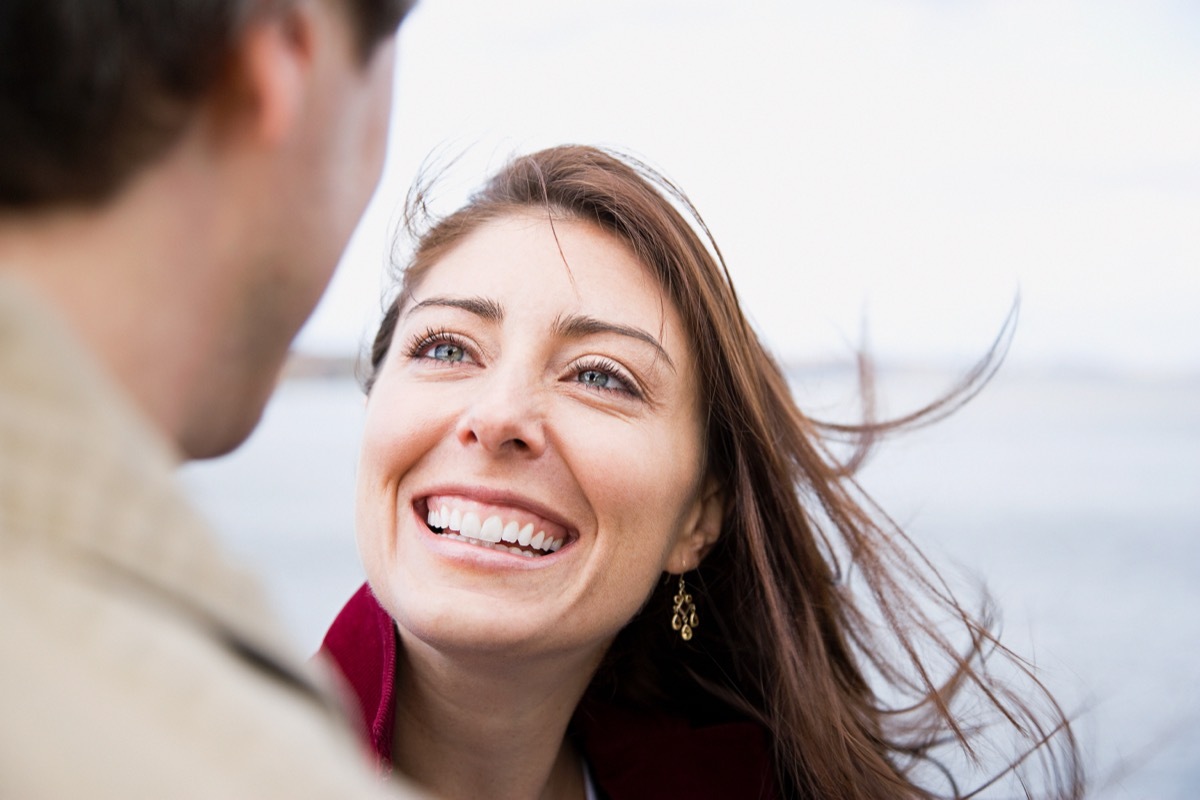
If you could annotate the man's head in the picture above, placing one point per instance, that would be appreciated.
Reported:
(181, 177)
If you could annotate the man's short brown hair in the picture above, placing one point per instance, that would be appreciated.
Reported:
(91, 90)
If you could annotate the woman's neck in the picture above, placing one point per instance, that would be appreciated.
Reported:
(483, 727)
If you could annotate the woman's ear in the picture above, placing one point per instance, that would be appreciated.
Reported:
(701, 532)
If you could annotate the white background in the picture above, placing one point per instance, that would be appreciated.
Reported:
(910, 163)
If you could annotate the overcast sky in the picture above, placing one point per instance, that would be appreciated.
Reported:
(910, 163)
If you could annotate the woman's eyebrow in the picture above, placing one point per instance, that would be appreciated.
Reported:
(489, 310)
(577, 325)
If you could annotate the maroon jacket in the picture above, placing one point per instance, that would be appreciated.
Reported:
(631, 754)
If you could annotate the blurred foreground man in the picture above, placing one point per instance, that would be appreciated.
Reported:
(177, 181)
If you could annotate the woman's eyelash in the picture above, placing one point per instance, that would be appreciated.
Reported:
(607, 369)
(420, 344)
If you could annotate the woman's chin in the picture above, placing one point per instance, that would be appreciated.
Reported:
(492, 633)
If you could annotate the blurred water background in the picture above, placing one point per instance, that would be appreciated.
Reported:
(1075, 497)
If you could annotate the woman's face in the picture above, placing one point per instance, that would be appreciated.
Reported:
(532, 458)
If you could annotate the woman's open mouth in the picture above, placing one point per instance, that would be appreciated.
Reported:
(494, 527)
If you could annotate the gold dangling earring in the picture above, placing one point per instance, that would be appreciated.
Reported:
(684, 618)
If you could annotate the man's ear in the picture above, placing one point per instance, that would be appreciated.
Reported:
(702, 530)
(263, 94)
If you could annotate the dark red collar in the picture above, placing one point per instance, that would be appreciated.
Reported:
(632, 754)
(361, 642)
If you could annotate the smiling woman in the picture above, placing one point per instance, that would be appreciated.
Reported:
(607, 555)
(559, 406)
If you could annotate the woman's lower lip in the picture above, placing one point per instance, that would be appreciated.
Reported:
(499, 547)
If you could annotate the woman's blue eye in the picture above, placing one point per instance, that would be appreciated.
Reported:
(447, 352)
(594, 377)
(605, 379)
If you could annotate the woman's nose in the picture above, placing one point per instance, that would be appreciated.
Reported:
(504, 417)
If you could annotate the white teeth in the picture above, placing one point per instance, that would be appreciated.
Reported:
(491, 529)
(467, 526)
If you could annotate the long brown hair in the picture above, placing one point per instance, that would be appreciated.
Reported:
(821, 620)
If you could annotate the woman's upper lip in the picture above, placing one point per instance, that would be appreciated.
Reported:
(500, 497)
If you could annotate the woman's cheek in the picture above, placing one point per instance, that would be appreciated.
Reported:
(401, 427)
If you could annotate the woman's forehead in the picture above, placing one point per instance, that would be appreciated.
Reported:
(529, 261)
